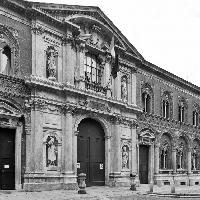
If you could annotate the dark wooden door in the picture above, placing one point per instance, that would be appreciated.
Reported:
(7, 159)
(143, 164)
(91, 152)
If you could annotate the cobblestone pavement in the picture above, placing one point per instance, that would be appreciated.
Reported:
(102, 193)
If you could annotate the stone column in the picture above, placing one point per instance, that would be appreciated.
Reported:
(151, 162)
(174, 160)
(156, 169)
(189, 162)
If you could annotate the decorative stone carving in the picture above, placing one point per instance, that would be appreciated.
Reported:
(125, 153)
(51, 151)
(146, 137)
(37, 29)
(99, 106)
(51, 41)
(125, 157)
(124, 91)
(51, 63)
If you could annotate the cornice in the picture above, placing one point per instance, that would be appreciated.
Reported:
(39, 82)
(172, 85)
(162, 124)
(181, 83)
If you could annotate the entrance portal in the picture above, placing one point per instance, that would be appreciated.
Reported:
(7, 159)
(143, 163)
(91, 152)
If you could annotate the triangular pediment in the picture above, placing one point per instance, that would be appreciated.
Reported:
(82, 15)
(8, 110)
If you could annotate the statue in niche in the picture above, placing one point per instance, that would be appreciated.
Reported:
(51, 151)
(195, 158)
(124, 93)
(125, 157)
(51, 64)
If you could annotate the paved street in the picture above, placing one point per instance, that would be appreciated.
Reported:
(103, 193)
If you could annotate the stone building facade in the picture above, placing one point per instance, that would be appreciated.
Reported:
(76, 97)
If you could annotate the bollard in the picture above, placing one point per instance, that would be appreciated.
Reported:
(82, 185)
(151, 187)
(173, 187)
(133, 184)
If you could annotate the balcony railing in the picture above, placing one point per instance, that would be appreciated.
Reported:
(95, 87)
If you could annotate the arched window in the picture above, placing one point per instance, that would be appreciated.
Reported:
(182, 110)
(165, 107)
(165, 152)
(5, 57)
(195, 114)
(9, 51)
(195, 159)
(147, 98)
(181, 154)
(146, 102)
(195, 118)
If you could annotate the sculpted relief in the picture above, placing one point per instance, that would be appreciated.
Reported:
(51, 151)
(51, 63)
(125, 157)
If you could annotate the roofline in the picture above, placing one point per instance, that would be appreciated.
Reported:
(30, 6)
(168, 75)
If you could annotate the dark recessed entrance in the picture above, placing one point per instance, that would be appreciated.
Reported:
(91, 152)
(7, 159)
(143, 164)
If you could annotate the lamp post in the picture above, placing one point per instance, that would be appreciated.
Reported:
(133, 184)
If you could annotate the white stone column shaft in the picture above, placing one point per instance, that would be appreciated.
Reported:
(189, 162)
(156, 169)
(174, 160)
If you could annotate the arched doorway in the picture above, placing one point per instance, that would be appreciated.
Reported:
(91, 152)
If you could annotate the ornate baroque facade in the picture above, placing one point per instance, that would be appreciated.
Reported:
(79, 97)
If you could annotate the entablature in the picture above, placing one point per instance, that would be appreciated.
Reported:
(43, 84)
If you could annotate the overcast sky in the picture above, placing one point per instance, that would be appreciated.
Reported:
(165, 32)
